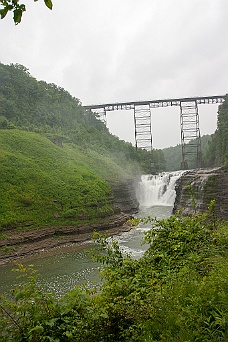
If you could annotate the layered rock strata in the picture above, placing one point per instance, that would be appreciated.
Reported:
(124, 196)
(197, 188)
(18, 243)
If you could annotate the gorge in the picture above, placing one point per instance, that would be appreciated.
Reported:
(167, 265)
(61, 256)
(165, 191)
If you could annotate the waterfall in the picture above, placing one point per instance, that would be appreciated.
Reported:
(158, 190)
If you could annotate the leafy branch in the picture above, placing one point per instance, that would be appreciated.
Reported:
(17, 8)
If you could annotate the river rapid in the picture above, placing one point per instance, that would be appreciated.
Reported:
(62, 268)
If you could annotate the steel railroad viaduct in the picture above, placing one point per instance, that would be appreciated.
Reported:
(189, 121)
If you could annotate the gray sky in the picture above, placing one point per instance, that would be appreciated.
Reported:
(125, 50)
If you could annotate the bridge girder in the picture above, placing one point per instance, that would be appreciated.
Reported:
(189, 121)
(157, 103)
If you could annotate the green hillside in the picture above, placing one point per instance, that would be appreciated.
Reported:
(43, 184)
(57, 159)
(50, 110)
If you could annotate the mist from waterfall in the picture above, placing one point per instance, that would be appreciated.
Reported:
(158, 190)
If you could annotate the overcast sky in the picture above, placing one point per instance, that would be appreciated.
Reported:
(124, 50)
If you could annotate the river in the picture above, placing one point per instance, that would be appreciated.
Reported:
(62, 268)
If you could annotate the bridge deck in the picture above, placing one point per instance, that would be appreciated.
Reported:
(157, 103)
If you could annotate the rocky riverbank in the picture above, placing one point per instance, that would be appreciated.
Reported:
(17, 243)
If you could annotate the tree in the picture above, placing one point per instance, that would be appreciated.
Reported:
(218, 149)
(17, 8)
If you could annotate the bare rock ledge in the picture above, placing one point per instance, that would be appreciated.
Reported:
(19, 243)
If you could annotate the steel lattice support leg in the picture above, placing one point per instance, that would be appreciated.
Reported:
(190, 133)
(143, 133)
(102, 115)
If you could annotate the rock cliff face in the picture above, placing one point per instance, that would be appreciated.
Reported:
(205, 185)
(124, 196)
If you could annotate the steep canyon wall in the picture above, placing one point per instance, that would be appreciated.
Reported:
(124, 196)
(205, 185)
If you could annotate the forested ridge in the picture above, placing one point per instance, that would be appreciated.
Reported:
(57, 159)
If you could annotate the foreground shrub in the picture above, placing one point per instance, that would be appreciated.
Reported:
(177, 291)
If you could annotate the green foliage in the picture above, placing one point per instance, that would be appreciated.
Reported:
(42, 183)
(17, 8)
(177, 291)
(211, 209)
(5, 124)
(218, 150)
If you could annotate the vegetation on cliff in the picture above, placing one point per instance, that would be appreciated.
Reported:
(57, 159)
(218, 148)
(177, 291)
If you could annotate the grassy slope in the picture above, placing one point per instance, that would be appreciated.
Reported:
(43, 184)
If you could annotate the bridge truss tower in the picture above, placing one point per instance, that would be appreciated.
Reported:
(190, 134)
(143, 133)
(189, 121)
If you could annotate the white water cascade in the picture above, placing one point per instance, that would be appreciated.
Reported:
(158, 190)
